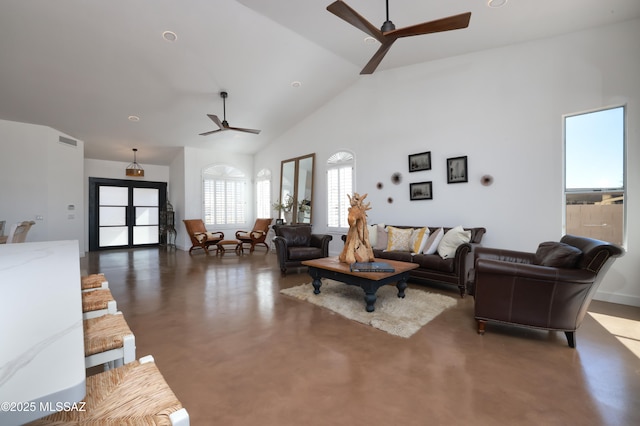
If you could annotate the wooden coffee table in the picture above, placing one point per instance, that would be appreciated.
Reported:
(370, 282)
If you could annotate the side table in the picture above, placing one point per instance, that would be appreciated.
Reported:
(221, 250)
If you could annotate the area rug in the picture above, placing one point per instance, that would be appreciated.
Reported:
(400, 317)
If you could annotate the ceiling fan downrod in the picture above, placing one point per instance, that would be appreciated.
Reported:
(224, 95)
(388, 25)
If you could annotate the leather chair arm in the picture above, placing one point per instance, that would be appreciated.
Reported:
(485, 267)
(503, 255)
(281, 250)
(321, 241)
(239, 234)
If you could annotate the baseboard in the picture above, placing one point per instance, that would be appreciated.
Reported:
(622, 299)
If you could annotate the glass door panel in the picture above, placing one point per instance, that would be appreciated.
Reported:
(113, 202)
(114, 236)
(147, 216)
(113, 216)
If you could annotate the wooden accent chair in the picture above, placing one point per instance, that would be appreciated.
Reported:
(200, 237)
(257, 235)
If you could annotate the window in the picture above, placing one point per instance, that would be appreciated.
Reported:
(340, 176)
(263, 194)
(224, 196)
(594, 174)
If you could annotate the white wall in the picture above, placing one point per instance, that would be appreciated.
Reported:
(503, 109)
(41, 177)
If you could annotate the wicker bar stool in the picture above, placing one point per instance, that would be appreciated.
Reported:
(93, 281)
(97, 303)
(108, 340)
(134, 394)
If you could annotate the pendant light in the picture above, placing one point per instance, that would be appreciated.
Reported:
(134, 169)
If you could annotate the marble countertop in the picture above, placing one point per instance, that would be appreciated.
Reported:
(42, 346)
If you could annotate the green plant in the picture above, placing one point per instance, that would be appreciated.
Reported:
(284, 207)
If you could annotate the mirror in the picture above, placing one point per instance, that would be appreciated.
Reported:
(296, 189)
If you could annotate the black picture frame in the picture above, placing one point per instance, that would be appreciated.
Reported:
(457, 170)
(421, 191)
(420, 161)
(279, 221)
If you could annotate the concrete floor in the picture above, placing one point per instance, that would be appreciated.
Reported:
(236, 352)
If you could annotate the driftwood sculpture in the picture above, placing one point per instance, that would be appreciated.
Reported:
(357, 247)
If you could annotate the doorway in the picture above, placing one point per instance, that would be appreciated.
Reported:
(124, 213)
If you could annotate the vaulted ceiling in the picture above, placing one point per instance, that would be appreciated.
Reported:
(84, 67)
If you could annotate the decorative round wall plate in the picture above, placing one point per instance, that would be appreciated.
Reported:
(396, 178)
(486, 180)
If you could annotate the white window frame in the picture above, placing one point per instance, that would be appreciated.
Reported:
(342, 161)
(596, 190)
(233, 208)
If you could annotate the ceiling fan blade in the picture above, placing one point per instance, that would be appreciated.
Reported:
(216, 120)
(346, 13)
(211, 132)
(455, 22)
(377, 57)
(239, 129)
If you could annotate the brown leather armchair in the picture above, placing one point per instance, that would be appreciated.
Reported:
(550, 289)
(296, 243)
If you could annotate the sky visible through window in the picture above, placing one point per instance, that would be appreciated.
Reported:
(595, 149)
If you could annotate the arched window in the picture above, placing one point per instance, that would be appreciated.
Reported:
(224, 195)
(340, 178)
(263, 194)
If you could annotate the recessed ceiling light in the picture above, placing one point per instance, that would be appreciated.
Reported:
(134, 118)
(296, 84)
(169, 36)
(370, 40)
(496, 3)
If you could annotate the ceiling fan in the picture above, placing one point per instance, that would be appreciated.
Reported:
(224, 125)
(388, 34)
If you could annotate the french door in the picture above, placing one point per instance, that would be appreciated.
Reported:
(124, 213)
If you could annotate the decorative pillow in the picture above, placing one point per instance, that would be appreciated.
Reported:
(432, 242)
(399, 239)
(451, 240)
(382, 238)
(419, 238)
(373, 234)
(558, 255)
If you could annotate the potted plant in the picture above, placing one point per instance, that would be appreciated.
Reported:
(284, 208)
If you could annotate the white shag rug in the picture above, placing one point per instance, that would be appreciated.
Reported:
(400, 317)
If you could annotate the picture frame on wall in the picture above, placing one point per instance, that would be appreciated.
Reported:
(419, 162)
(457, 170)
(421, 191)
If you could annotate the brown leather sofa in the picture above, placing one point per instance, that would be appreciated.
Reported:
(296, 243)
(452, 271)
(550, 289)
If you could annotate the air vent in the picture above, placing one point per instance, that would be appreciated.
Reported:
(68, 141)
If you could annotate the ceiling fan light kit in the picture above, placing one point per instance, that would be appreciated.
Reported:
(224, 125)
(388, 33)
